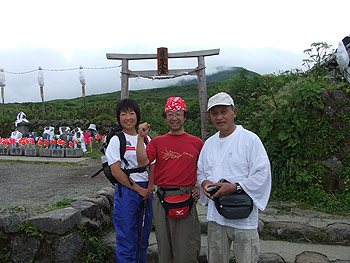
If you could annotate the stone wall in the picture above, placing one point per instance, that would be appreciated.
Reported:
(71, 234)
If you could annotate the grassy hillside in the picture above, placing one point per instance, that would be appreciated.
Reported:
(101, 106)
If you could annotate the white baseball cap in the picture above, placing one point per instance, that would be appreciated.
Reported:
(221, 98)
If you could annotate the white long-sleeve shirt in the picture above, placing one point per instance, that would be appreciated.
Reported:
(239, 158)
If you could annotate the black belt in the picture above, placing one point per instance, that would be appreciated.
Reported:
(169, 188)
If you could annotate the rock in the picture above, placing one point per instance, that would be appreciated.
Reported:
(311, 257)
(58, 221)
(78, 123)
(152, 254)
(69, 123)
(109, 193)
(106, 123)
(294, 231)
(333, 164)
(88, 209)
(270, 258)
(68, 247)
(10, 223)
(338, 95)
(338, 232)
(55, 123)
(109, 244)
(24, 248)
(261, 226)
(271, 211)
(101, 201)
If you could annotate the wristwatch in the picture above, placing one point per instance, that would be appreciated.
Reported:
(238, 188)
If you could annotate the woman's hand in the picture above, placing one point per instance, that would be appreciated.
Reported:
(145, 193)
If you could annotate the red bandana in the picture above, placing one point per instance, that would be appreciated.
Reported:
(175, 103)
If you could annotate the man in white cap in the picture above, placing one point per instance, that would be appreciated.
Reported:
(237, 156)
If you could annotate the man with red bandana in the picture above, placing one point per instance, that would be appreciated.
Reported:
(176, 154)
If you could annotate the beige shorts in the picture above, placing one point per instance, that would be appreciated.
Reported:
(245, 244)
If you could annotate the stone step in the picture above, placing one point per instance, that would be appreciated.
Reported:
(289, 250)
(292, 232)
(294, 224)
(271, 251)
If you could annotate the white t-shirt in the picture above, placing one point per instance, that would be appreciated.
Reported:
(238, 158)
(113, 155)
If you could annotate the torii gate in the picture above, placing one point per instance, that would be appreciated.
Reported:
(163, 73)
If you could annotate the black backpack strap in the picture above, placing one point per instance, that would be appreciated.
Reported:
(122, 148)
(145, 139)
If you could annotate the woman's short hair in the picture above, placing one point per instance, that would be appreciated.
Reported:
(127, 105)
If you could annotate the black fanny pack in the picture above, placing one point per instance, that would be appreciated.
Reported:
(234, 206)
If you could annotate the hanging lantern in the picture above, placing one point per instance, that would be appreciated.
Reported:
(41, 81)
(2, 83)
(41, 85)
(82, 80)
(2, 78)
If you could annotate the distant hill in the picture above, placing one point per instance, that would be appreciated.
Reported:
(221, 75)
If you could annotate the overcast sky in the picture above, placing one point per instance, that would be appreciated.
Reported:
(262, 36)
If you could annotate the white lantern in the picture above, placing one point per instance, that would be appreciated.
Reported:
(81, 76)
(41, 82)
(2, 78)
(41, 77)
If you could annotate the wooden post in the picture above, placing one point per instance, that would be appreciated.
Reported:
(203, 97)
(3, 101)
(83, 94)
(42, 100)
(124, 91)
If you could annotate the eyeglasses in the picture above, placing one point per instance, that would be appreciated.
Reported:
(172, 114)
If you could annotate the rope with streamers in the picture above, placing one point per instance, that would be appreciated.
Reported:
(156, 77)
(68, 69)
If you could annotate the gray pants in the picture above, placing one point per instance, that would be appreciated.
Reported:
(184, 233)
(245, 244)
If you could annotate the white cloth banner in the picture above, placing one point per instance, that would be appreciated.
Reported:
(81, 76)
(41, 78)
(2, 78)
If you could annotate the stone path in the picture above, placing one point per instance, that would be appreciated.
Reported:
(295, 236)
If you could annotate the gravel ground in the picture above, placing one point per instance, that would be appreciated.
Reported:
(35, 184)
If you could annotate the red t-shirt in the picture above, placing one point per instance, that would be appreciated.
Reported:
(176, 159)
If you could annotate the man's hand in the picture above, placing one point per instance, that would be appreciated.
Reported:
(143, 129)
(225, 189)
(205, 186)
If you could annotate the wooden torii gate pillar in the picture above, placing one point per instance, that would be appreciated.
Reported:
(166, 74)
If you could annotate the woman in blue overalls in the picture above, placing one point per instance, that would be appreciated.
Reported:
(132, 211)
